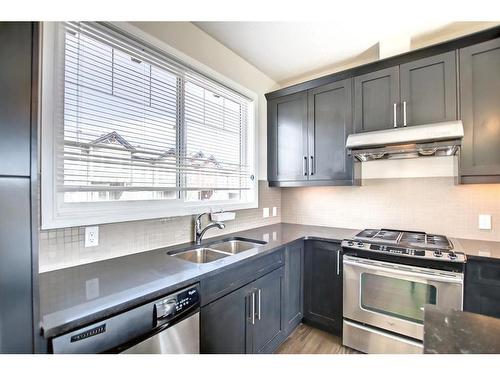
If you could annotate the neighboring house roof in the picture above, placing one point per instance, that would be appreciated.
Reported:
(113, 138)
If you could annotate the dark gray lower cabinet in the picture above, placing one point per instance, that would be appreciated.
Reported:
(266, 331)
(482, 287)
(293, 295)
(248, 320)
(480, 112)
(323, 285)
(223, 323)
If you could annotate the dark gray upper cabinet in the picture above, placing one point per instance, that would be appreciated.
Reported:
(480, 112)
(429, 90)
(376, 100)
(306, 136)
(15, 98)
(267, 328)
(287, 138)
(329, 124)
(323, 285)
(293, 295)
(416, 93)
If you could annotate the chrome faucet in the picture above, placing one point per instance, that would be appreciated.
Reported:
(199, 232)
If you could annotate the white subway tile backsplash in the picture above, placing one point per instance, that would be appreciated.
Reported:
(434, 205)
(62, 248)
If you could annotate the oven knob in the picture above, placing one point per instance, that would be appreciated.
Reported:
(452, 255)
(350, 243)
(438, 254)
(360, 244)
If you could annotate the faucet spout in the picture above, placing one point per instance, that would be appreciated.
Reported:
(199, 231)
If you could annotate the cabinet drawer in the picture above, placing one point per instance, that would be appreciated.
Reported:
(226, 281)
(483, 272)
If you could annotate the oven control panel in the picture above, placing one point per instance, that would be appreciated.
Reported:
(442, 255)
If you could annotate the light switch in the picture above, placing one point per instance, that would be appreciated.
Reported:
(91, 236)
(265, 212)
(484, 221)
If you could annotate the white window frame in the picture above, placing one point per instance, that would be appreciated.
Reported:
(57, 214)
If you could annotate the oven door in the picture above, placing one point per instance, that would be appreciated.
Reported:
(392, 296)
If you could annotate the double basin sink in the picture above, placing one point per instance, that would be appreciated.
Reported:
(217, 250)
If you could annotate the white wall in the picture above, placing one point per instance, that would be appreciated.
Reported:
(192, 41)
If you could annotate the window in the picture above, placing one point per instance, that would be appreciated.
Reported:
(135, 134)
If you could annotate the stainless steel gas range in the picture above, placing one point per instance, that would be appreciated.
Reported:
(389, 277)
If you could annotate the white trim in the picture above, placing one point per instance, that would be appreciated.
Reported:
(55, 215)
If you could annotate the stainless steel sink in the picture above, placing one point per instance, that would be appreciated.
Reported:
(235, 246)
(217, 250)
(201, 255)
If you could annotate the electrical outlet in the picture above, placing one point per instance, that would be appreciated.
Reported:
(484, 221)
(275, 211)
(265, 212)
(91, 236)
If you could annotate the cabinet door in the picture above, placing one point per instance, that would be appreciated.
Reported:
(429, 89)
(330, 122)
(267, 332)
(15, 98)
(293, 296)
(480, 109)
(375, 95)
(482, 287)
(223, 323)
(323, 285)
(287, 138)
(16, 309)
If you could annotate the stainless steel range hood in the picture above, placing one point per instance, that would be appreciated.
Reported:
(439, 139)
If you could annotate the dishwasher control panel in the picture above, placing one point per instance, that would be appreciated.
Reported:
(175, 305)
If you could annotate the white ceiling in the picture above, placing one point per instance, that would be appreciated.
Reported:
(286, 50)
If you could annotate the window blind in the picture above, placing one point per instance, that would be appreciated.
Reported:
(138, 125)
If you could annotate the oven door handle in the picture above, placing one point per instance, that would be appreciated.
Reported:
(412, 271)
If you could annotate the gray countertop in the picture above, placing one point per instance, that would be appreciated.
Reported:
(459, 332)
(477, 248)
(72, 297)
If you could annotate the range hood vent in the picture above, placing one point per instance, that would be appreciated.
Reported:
(440, 139)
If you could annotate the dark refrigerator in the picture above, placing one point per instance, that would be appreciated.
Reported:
(19, 60)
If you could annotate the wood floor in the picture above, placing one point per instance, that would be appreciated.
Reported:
(309, 340)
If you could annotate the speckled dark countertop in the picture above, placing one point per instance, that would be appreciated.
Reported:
(459, 332)
(72, 297)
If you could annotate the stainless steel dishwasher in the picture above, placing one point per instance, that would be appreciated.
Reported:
(168, 325)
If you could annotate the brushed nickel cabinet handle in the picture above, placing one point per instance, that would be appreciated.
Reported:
(253, 308)
(404, 113)
(305, 166)
(395, 114)
(258, 310)
(312, 168)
